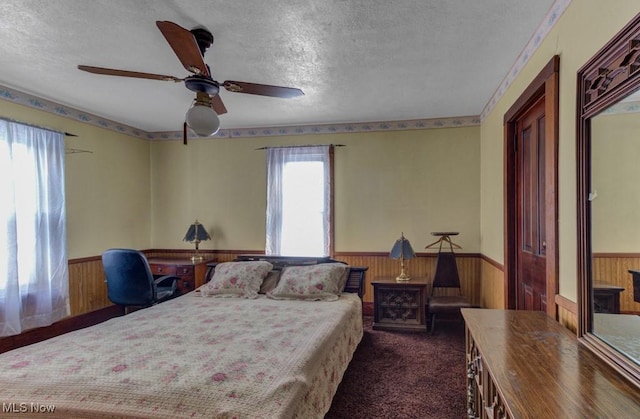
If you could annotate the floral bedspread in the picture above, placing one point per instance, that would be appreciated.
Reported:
(190, 357)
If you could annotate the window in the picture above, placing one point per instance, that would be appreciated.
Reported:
(299, 182)
(34, 289)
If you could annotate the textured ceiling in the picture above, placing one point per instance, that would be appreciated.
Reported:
(355, 60)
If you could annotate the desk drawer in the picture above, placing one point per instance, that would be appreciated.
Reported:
(162, 269)
(184, 270)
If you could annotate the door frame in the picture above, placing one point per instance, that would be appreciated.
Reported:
(545, 84)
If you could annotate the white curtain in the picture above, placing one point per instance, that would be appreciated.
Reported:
(315, 211)
(34, 277)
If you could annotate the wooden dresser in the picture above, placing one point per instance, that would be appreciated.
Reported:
(523, 364)
(191, 274)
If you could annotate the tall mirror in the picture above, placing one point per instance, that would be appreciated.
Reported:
(609, 202)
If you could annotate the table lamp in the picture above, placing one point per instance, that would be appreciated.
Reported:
(402, 250)
(195, 234)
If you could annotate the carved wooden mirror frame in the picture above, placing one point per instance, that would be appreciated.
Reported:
(612, 74)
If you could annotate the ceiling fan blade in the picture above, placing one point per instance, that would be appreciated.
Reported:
(184, 45)
(217, 105)
(125, 73)
(261, 89)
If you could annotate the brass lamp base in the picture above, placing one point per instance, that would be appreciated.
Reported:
(196, 256)
(402, 277)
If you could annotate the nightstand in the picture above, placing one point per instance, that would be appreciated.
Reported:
(606, 297)
(399, 305)
(191, 274)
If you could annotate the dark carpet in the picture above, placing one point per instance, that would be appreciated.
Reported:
(405, 375)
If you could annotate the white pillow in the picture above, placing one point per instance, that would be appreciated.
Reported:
(237, 279)
(324, 281)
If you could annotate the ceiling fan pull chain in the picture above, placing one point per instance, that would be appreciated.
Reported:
(184, 133)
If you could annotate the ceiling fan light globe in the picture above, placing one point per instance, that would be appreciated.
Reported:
(202, 120)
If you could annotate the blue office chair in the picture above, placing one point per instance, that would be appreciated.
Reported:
(130, 282)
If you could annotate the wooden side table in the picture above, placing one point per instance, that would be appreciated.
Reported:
(191, 274)
(606, 297)
(399, 305)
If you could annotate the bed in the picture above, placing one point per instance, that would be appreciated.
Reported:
(199, 355)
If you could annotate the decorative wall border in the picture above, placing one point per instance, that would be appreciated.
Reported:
(556, 10)
(465, 121)
(22, 98)
(623, 107)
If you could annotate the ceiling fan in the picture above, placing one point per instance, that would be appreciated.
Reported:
(190, 46)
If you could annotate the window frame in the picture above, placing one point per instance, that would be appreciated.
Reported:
(330, 219)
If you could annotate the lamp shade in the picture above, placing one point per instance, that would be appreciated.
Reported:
(202, 119)
(402, 249)
(196, 232)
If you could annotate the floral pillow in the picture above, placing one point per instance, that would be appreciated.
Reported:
(237, 279)
(324, 282)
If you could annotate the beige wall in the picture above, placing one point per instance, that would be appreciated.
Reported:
(575, 38)
(107, 191)
(615, 210)
(134, 193)
(130, 192)
(414, 181)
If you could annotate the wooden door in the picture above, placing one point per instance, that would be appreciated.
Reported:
(530, 209)
(534, 114)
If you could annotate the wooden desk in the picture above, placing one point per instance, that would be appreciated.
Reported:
(524, 364)
(191, 274)
(399, 305)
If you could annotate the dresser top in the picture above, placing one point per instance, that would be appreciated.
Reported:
(543, 371)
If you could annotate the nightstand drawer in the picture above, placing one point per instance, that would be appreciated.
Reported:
(162, 269)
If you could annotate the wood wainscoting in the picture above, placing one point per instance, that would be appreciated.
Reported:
(379, 263)
(482, 280)
(424, 265)
(567, 313)
(493, 285)
(493, 295)
(613, 268)
(88, 291)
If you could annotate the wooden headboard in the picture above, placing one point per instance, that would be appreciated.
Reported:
(355, 282)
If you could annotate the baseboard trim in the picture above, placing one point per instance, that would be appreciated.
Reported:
(66, 325)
